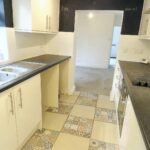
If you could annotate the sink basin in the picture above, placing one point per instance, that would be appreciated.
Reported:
(13, 70)
(140, 79)
(6, 77)
(18, 69)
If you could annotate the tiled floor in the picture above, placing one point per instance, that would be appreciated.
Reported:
(84, 121)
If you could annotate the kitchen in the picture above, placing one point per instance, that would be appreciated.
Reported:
(42, 52)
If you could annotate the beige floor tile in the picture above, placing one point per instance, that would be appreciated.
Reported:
(77, 93)
(71, 142)
(106, 104)
(103, 97)
(83, 111)
(71, 99)
(106, 132)
(53, 121)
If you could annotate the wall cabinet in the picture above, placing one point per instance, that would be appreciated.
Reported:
(39, 16)
(144, 31)
(131, 137)
(20, 112)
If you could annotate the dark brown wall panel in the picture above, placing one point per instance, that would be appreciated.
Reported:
(132, 9)
(131, 21)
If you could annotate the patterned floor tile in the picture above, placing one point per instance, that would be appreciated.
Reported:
(99, 145)
(82, 100)
(42, 140)
(78, 126)
(106, 115)
(64, 108)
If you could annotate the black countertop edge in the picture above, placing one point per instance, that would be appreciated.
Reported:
(26, 76)
(128, 86)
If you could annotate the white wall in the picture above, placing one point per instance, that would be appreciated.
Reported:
(93, 37)
(63, 44)
(23, 45)
(131, 48)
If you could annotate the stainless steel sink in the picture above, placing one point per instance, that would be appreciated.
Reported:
(14, 70)
(6, 77)
(18, 69)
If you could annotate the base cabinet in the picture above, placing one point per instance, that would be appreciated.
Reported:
(8, 135)
(28, 107)
(131, 138)
(20, 111)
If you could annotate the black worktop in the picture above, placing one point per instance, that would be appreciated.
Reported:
(48, 61)
(140, 96)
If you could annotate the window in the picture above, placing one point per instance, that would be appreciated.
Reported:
(3, 35)
(3, 45)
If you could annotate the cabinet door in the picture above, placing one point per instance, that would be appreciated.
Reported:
(8, 136)
(54, 15)
(131, 138)
(28, 107)
(39, 17)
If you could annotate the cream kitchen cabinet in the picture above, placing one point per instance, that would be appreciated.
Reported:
(131, 138)
(8, 134)
(117, 81)
(20, 111)
(38, 16)
(144, 32)
(54, 17)
(28, 107)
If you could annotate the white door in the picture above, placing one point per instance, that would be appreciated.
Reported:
(28, 107)
(8, 134)
(93, 38)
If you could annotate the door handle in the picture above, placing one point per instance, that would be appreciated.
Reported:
(11, 103)
(20, 95)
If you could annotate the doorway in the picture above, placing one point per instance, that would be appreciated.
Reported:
(115, 42)
(95, 31)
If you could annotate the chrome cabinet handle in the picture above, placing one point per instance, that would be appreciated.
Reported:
(11, 103)
(20, 94)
